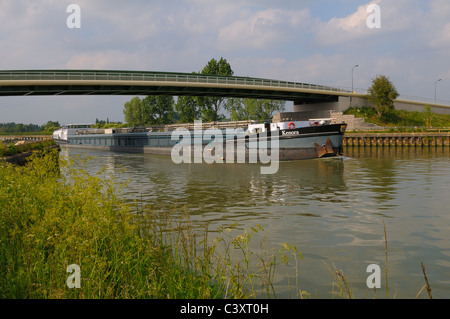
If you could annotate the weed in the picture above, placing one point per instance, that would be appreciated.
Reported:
(51, 218)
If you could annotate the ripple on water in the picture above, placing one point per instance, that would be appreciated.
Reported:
(330, 209)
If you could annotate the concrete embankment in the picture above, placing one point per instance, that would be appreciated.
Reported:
(397, 139)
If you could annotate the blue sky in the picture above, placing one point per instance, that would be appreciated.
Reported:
(316, 41)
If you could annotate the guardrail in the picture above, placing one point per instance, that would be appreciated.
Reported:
(144, 76)
(159, 77)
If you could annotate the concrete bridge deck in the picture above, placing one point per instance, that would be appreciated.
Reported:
(310, 100)
(90, 82)
(116, 82)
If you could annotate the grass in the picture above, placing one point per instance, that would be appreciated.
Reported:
(51, 218)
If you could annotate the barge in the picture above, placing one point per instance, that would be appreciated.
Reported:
(295, 140)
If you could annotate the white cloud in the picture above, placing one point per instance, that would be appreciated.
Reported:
(264, 29)
(339, 30)
(397, 17)
(285, 40)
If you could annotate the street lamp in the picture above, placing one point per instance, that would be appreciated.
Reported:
(435, 85)
(351, 96)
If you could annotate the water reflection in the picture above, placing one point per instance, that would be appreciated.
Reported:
(401, 153)
(331, 209)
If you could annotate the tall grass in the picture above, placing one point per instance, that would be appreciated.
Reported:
(50, 219)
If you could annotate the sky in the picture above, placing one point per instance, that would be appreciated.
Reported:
(316, 41)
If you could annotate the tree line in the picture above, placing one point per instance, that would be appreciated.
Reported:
(164, 109)
(14, 128)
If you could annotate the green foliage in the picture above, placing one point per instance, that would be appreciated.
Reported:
(19, 128)
(107, 124)
(253, 109)
(133, 113)
(221, 67)
(150, 110)
(3, 149)
(428, 111)
(158, 109)
(210, 106)
(188, 109)
(402, 118)
(50, 219)
(382, 94)
(51, 126)
(12, 149)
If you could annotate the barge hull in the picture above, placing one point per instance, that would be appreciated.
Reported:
(293, 144)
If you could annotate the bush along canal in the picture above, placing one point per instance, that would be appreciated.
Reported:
(63, 223)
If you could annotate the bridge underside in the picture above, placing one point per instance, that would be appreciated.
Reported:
(55, 90)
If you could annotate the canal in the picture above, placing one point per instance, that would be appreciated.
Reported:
(333, 210)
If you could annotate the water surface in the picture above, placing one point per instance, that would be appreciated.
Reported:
(332, 210)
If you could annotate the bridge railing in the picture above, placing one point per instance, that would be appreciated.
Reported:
(83, 75)
(158, 77)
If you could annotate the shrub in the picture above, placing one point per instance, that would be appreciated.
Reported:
(50, 219)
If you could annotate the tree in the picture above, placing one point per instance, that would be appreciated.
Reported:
(133, 112)
(253, 109)
(150, 110)
(221, 67)
(51, 126)
(210, 106)
(158, 109)
(382, 94)
(237, 110)
(187, 108)
(428, 112)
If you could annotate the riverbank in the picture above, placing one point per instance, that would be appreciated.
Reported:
(18, 153)
(51, 219)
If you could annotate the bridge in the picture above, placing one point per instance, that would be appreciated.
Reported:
(113, 82)
(91, 82)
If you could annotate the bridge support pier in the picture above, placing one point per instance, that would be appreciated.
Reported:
(312, 110)
(320, 109)
(323, 109)
(305, 112)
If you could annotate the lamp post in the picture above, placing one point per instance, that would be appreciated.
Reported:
(351, 96)
(435, 85)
